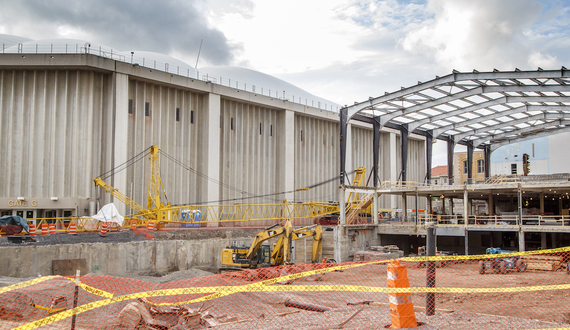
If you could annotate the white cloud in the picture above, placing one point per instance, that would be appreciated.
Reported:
(537, 59)
(482, 35)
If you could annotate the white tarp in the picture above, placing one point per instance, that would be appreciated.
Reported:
(109, 213)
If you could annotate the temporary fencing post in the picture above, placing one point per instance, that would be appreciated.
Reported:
(103, 232)
(75, 298)
(45, 229)
(52, 228)
(32, 229)
(401, 308)
(72, 228)
(430, 269)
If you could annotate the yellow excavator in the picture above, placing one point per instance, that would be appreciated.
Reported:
(258, 255)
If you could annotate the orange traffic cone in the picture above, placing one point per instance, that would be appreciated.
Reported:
(150, 226)
(103, 232)
(72, 228)
(52, 228)
(45, 229)
(133, 225)
(401, 307)
(32, 229)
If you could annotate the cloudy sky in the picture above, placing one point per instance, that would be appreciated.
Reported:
(342, 50)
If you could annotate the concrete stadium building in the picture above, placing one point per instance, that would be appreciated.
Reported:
(72, 110)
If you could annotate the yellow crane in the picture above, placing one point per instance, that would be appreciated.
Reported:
(156, 210)
(163, 212)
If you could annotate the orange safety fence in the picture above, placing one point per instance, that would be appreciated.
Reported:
(527, 290)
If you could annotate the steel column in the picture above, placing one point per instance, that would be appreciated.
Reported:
(376, 149)
(429, 152)
(487, 155)
(404, 150)
(470, 162)
(450, 149)
(343, 126)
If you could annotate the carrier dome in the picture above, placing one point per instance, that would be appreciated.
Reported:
(235, 77)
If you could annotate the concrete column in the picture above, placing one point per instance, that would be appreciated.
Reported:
(212, 148)
(429, 205)
(404, 207)
(541, 202)
(522, 244)
(519, 204)
(121, 113)
(466, 241)
(393, 168)
(491, 205)
(554, 238)
(465, 207)
(342, 206)
(287, 146)
(543, 245)
(375, 207)
(341, 243)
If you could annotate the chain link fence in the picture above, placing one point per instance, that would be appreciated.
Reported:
(528, 290)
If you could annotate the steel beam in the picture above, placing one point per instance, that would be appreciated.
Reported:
(404, 151)
(450, 149)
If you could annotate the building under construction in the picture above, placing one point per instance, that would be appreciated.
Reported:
(168, 144)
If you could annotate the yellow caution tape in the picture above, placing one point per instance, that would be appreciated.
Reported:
(487, 256)
(27, 283)
(266, 286)
(95, 291)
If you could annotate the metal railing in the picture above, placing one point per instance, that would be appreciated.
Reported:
(181, 70)
(497, 220)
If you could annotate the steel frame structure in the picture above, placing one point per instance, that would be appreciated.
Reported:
(484, 110)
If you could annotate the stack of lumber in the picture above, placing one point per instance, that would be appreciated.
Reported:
(547, 263)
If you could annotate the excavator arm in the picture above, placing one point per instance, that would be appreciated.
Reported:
(268, 233)
(281, 255)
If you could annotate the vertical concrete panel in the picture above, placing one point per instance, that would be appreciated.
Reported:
(4, 137)
(211, 154)
(286, 158)
(121, 105)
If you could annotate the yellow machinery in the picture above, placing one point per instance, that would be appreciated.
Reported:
(163, 212)
(156, 210)
(258, 255)
(315, 231)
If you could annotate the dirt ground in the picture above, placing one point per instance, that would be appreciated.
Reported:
(265, 309)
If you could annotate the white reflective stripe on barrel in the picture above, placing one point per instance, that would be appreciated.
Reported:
(392, 276)
(398, 300)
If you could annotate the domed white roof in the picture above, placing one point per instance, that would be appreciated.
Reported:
(240, 78)
(159, 62)
(7, 40)
(261, 83)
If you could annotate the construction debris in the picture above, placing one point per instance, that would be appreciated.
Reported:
(546, 263)
(142, 313)
(379, 253)
(350, 318)
(308, 307)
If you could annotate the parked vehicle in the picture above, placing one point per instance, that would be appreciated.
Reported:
(501, 264)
